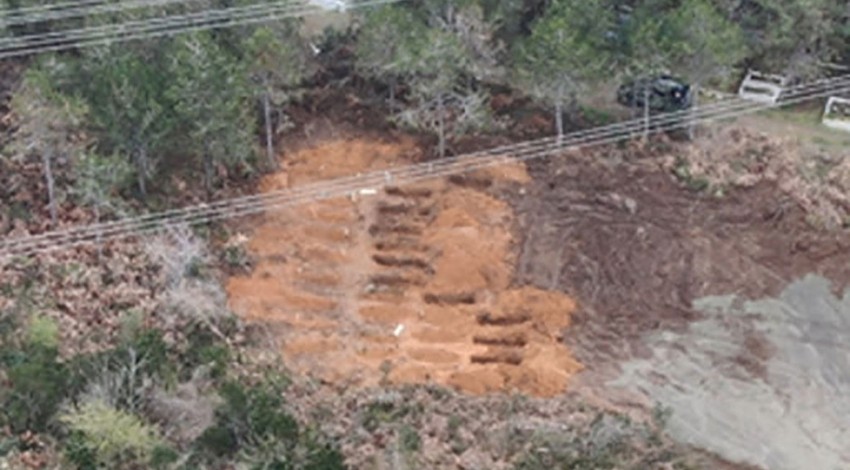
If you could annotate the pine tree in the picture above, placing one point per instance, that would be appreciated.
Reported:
(277, 64)
(125, 87)
(210, 93)
(567, 49)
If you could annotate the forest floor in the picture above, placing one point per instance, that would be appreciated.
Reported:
(578, 272)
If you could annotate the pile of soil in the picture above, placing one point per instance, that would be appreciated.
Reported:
(635, 246)
(409, 285)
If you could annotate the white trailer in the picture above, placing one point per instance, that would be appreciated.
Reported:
(331, 5)
(762, 87)
(836, 113)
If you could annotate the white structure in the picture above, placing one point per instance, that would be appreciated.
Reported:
(836, 114)
(334, 5)
(761, 87)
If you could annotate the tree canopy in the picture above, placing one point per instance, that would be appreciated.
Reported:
(567, 48)
(209, 90)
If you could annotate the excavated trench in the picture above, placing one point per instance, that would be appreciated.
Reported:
(411, 285)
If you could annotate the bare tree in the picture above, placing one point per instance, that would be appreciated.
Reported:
(97, 184)
(276, 64)
(47, 123)
(178, 251)
(189, 296)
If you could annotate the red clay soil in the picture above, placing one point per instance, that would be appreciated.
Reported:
(432, 262)
(634, 246)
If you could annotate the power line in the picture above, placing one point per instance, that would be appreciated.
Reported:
(165, 26)
(134, 26)
(373, 179)
(265, 198)
(343, 186)
(15, 18)
(144, 26)
(53, 6)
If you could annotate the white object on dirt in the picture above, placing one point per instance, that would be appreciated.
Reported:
(716, 94)
(368, 192)
(761, 87)
(336, 5)
(836, 113)
(398, 330)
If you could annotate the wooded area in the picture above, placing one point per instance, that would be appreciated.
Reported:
(209, 99)
(211, 105)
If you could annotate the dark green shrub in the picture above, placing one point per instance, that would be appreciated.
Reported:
(219, 440)
(250, 416)
(37, 384)
(410, 440)
(381, 411)
(151, 346)
(163, 457)
(324, 457)
(78, 453)
(253, 423)
(204, 348)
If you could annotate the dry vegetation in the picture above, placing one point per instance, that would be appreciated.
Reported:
(731, 157)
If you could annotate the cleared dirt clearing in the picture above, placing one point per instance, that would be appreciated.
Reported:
(410, 285)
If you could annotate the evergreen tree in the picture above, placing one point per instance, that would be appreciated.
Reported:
(567, 49)
(210, 93)
(125, 87)
(440, 51)
(707, 45)
(277, 64)
(440, 100)
(387, 44)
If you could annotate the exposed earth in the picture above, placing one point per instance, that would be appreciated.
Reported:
(412, 284)
(579, 272)
(636, 247)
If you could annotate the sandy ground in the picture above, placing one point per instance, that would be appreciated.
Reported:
(431, 262)
(788, 411)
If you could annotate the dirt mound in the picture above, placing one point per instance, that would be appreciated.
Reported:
(635, 246)
(412, 285)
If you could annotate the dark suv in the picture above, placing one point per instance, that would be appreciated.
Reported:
(666, 93)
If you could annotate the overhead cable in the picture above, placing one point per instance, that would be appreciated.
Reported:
(246, 205)
(165, 26)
